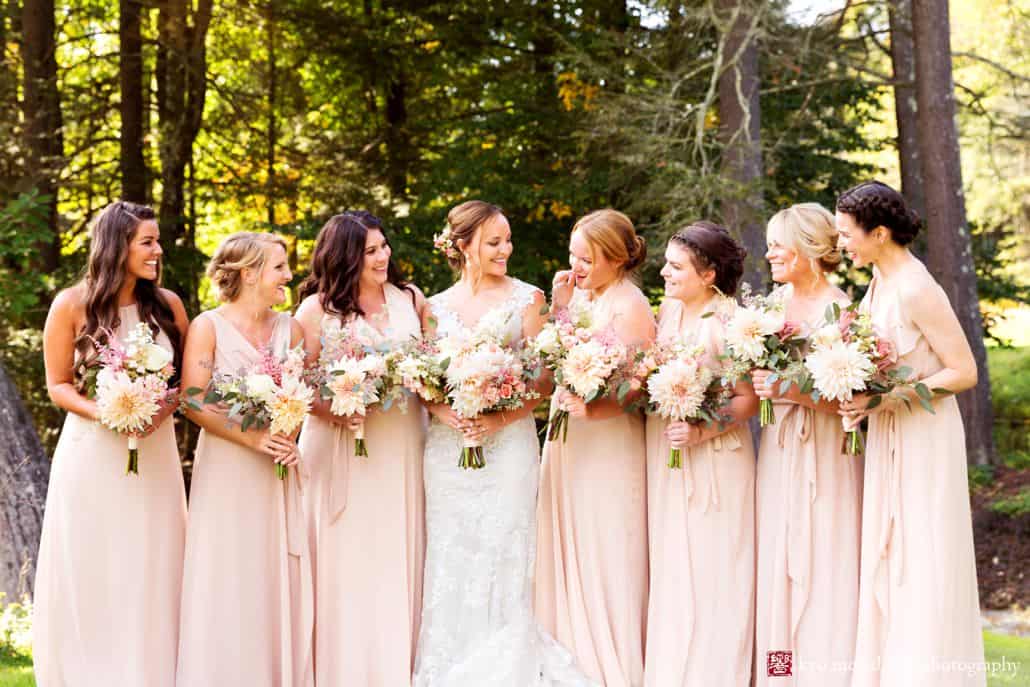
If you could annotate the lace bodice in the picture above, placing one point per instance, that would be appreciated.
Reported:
(449, 322)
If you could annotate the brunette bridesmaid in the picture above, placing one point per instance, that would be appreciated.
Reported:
(247, 602)
(701, 518)
(366, 513)
(109, 571)
(809, 492)
(918, 611)
(591, 579)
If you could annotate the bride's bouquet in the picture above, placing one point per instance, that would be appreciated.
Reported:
(476, 371)
(759, 336)
(583, 360)
(356, 374)
(847, 356)
(130, 384)
(272, 395)
(681, 387)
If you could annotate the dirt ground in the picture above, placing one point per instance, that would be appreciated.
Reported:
(1002, 543)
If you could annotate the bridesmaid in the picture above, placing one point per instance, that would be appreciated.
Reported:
(809, 493)
(366, 513)
(591, 573)
(247, 597)
(918, 611)
(109, 572)
(701, 527)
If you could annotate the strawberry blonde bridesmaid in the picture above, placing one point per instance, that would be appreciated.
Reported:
(367, 513)
(701, 517)
(918, 610)
(247, 602)
(591, 579)
(109, 572)
(809, 492)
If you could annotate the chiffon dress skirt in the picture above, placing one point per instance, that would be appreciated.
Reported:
(109, 572)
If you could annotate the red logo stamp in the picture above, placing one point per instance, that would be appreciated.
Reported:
(779, 664)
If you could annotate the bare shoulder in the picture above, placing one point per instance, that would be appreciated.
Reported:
(420, 298)
(176, 304)
(296, 331)
(202, 325)
(310, 307)
(70, 301)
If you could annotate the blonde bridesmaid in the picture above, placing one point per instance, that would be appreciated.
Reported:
(366, 513)
(247, 602)
(591, 579)
(809, 493)
(109, 572)
(701, 526)
(918, 612)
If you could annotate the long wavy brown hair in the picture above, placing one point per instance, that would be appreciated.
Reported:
(339, 258)
(112, 232)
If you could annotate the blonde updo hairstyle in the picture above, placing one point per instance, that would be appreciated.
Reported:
(611, 233)
(464, 221)
(809, 230)
(243, 250)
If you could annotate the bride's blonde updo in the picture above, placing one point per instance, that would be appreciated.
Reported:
(240, 251)
(809, 230)
(463, 221)
(612, 233)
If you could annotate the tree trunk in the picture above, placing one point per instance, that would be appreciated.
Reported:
(24, 472)
(740, 135)
(903, 60)
(398, 140)
(950, 256)
(272, 134)
(130, 36)
(181, 89)
(41, 105)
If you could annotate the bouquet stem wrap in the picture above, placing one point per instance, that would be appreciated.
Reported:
(133, 467)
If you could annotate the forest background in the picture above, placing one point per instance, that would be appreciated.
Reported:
(273, 115)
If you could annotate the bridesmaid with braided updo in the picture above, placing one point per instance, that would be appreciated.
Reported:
(247, 607)
(701, 517)
(918, 611)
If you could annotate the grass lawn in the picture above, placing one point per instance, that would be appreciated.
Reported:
(16, 671)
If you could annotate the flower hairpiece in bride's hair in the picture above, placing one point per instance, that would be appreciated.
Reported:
(445, 244)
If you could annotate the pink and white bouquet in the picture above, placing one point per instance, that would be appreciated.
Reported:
(357, 373)
(759, 336)
(130, 385)
(477, 372)
(586, 360)
(847, 356)
(273, 395)
(681, 387)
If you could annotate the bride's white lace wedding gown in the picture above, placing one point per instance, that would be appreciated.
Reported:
(478, 627)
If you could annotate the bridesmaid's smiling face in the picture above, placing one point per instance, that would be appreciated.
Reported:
(682, 280)
(143, 260)
(784, 264)
(590, 267)
(274, 276)
(377, 258)
(863, 247)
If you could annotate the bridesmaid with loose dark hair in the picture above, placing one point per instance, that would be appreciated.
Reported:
(109, 572)
(918, 609)
(365, 513)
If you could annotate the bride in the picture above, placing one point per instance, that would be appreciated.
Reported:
(478, 627)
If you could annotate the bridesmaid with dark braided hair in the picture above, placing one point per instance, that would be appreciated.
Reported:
(918, 610)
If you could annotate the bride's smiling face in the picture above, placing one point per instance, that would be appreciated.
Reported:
(493, 245)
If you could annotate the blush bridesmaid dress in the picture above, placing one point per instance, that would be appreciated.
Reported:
(109, 572)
